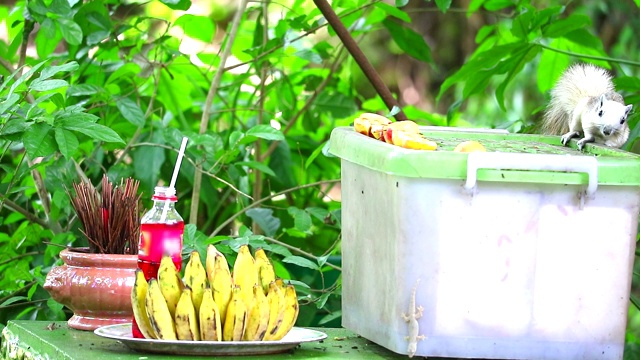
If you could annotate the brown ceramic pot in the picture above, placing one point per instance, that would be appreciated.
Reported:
(96, 287)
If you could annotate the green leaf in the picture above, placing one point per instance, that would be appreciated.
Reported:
(495, 5)
(258, 166)
(401, 3)
(71, 31)
(8, 103)
(14, 126)
(443, 5)
(47, 85)
(551, 65)
(197, 27)
(561, 27)
(302, 262)
(148, 161)
(77, 122)
(83, 90)
(515, 64)
(130, 111)
(177, 4)
(25, 76)
(319, 150)
(301, 218)
(39, 141)
(49, 71)
(266, 132)
(13, 300)
(46, 45)
(409, 41)
(67, 142)
(393, 11)
(265, 219)
(336, 104)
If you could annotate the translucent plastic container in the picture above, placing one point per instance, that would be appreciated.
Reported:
(522, 252)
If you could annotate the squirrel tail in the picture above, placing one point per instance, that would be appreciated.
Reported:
(580, 81)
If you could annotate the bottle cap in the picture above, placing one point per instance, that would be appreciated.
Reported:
(164, 193)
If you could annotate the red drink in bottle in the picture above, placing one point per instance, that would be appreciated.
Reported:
(161, 233)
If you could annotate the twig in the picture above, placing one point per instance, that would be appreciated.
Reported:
(274, 145)
(357, 54)
(22, 289)
(213, 89)
(305, 34)
(301, 252)
(230, 185)
(19, 257)
(258, 202)
(257, 150)
(592, 57)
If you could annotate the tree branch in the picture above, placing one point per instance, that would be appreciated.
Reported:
(301, 252)
(258, 202)
(274, 145)
(360, 58)
(213, 89)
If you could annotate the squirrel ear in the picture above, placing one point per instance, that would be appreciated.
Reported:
(627, 110)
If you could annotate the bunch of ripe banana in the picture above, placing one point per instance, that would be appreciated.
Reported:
(213, 304)
(404, 133)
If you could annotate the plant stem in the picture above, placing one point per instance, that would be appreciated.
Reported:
(274, 145)
(592, 57)
(22, 289)
(301, 252)
(258, 202)
(19, 257)
(257, 186)
(307, 33)
(213, 89)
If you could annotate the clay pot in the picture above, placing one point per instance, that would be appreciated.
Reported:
(96, 287)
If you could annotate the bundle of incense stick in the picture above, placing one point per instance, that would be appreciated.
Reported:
(111, 220)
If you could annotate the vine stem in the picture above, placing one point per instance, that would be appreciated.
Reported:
(301, 252)
(258, 202)
(592, 57)
(274, 145)
(257, 186)
(213, 89)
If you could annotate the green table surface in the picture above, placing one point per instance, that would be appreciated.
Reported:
(56, 340)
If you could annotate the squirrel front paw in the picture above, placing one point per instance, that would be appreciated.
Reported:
(584, 142)
(568, 136)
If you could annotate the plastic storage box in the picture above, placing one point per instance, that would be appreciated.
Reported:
(522, 252)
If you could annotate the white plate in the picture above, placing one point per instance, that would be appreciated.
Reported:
(122, 333)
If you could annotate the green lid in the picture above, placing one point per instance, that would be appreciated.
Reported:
(509, 158)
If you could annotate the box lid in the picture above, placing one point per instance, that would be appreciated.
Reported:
(509, 158)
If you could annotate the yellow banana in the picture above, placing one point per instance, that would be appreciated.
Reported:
(290, 312)
(222, 285)
(186, 318)
(264, 267)
(235, 323)
(275, 297)
(209, 316)
(138, 298)
(158, 312)
(170, 283)
(195, 276)
(244, 273)
(209, 263)
(258, 316)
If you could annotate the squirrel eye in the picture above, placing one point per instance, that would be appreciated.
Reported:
(621, 121)
(600, 113)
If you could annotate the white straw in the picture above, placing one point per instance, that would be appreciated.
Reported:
(176, 169)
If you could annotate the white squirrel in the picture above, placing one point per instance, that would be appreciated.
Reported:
(584, 102)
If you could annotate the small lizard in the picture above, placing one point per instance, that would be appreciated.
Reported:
(411, 319)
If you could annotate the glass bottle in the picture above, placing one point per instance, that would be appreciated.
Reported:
(161, 232)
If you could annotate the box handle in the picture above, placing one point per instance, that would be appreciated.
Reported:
(541, 162)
